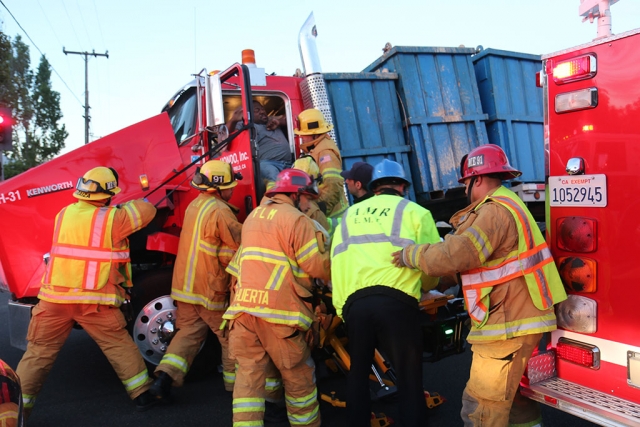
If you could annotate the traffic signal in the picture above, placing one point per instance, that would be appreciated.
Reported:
(6, 129)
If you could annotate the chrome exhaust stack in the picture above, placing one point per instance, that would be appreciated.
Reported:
(313, 87)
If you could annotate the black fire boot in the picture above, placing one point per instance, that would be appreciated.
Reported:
(145, 402)
(161, 387)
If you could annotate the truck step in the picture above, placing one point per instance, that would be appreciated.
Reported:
(585, 402)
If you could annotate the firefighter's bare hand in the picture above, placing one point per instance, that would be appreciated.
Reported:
(398, 259)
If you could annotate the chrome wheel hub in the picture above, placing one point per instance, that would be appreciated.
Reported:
(154, 328)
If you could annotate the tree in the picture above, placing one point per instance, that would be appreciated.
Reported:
(38, 134)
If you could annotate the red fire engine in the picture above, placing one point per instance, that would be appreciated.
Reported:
(592, 100)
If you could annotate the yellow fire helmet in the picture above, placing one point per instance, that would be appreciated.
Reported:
(215, 174)
(312, 122)
(308, 165)
(97, 184)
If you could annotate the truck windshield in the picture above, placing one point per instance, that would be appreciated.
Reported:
(183, 115)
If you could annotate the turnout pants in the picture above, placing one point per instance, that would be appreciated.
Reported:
(496, 370)
(9, 414)
(380, 321)
(255, 343)
(193, 323)
(50, 326)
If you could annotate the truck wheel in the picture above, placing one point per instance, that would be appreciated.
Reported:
(154, 311)
(155, 322)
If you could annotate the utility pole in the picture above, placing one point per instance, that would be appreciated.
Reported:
(87, 117)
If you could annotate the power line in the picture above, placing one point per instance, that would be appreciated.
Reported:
(98, 19)
(38, 49)
(70, 22)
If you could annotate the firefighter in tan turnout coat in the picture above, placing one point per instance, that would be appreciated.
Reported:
(271, 313)
(510, 285)
(209, 238)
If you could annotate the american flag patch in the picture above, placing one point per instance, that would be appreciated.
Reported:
(325, 159)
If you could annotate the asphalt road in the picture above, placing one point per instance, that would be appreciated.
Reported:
(83, 391)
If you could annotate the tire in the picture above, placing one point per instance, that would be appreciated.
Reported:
(153, 327)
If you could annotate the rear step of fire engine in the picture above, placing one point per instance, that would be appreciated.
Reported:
(585, 403)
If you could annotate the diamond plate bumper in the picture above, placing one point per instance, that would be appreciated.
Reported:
(585, 403)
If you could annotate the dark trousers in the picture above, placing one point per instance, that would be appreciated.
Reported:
(383, 322)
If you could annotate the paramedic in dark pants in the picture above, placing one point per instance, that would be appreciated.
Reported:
(378, 302)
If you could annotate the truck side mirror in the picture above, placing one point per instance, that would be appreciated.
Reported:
(215, 106)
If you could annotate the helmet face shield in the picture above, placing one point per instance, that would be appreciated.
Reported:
(91, 186)
(98, 183)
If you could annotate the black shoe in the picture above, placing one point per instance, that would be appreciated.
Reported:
(275, 413)
(145, 402)
(161, 387)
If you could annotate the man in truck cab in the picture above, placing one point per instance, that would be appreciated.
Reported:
(210, 237)
(271, 315)
(274, 153)
(84, 283)
(316, 142)
(510, 285)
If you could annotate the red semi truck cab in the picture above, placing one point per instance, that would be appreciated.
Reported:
(592, 141)
(155, 159)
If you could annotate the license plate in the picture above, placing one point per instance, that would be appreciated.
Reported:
(578, 190)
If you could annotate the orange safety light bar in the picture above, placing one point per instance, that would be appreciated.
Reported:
(577, 352)
(580, 68)
(248, 56)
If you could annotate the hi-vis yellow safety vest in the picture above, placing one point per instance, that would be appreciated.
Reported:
(532, 260)
(82, 250)
(363, 242)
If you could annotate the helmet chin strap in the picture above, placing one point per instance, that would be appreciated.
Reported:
(470, 188)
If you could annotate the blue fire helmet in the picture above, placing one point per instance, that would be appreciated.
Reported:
(388, 172)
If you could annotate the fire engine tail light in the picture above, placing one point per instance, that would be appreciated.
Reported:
(580, 68)
(577, 352)
(577, 100)
(576, 234)
(577, 314)
(578, 274)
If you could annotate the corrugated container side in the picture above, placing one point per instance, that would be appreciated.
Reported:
(506, 82)
(367, 118)
(444, 116)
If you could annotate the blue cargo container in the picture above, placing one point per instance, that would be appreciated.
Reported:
(367, 118)
(426, 107)
(443, 114)
(513, 102)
